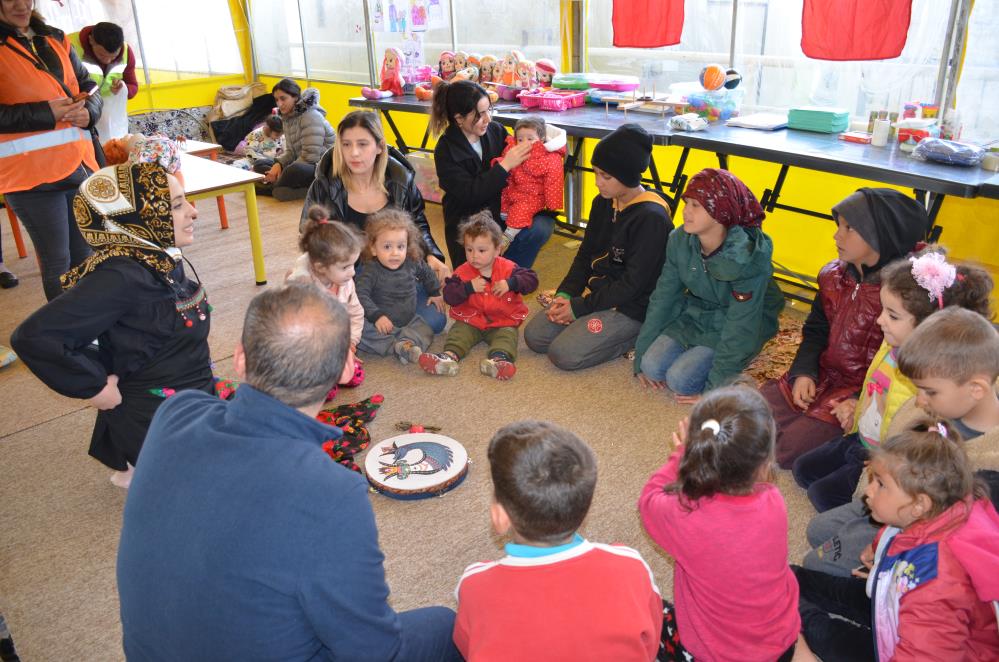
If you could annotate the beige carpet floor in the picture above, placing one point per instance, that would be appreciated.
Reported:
(60, 517)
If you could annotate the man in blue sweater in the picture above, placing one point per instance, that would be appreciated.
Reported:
(241, 539)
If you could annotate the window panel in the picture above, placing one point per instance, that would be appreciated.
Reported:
(177, 47)
(530, 26)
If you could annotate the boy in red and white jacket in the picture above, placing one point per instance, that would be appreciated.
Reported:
(538, 182)
(486, 304)
(555, 596)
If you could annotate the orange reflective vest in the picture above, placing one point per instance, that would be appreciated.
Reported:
(32, 158)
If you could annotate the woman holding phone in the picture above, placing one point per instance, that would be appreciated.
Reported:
(46, 150)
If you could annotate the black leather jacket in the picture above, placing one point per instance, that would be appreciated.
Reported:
(400, 182)
(37, 115)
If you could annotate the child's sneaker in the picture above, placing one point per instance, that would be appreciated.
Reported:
(439, 363)
(407, 351)
(497, 368)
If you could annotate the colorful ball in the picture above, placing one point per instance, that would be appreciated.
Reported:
(712, 77)
(732, 79)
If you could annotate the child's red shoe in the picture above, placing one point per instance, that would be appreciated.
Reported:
(497, 368)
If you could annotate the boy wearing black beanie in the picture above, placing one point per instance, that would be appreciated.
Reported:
(599, 307)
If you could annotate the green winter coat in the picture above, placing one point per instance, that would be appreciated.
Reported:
(728, 301)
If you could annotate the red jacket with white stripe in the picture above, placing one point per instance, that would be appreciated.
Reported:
(588, 602)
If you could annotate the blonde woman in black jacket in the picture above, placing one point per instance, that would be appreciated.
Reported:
(361, 175)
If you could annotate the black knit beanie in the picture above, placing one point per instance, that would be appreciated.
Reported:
(624, 154)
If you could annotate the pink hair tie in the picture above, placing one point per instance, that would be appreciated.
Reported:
(942, 429)
(934, 274)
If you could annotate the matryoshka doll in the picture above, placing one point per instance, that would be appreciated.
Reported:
(525, 75)
(546, 71)
(446, 65)
(486, 65)
(460, 60)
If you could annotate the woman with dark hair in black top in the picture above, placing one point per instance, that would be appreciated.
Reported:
(469, 141)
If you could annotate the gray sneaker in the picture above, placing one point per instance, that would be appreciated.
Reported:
(407, 351)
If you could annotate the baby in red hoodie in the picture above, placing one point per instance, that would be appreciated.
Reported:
(537, 183)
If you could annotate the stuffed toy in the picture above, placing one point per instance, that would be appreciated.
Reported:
(509, 68)
(391, 76)
(460, 60)
(546, 71)
(526, 76)
(445, 67)
(486, 65)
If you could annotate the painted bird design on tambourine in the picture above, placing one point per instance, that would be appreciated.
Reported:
(433, 457)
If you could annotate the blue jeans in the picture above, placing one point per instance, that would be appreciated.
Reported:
(830, 472)
(435, 318)
(685, 371)
(47, 214)
(527, 244)
(427, 635)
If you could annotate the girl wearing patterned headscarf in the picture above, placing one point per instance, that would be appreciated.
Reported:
(716, 302)
(132, 294)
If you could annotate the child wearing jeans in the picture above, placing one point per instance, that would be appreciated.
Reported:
(387, 288)
(555, 595)
(486, 304)
(329, 251)
(952, 358)
(716, 303)
(911, 290)
(538, 182)
(931, 582)
(713, 508)
(874, 227)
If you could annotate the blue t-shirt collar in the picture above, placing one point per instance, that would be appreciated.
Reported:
(532, 552)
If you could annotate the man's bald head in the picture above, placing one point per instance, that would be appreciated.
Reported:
(295, 340)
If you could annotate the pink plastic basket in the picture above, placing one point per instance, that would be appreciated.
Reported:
(556, 100)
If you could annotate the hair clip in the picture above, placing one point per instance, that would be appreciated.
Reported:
(711, 424)
(934, 274)
(942, 429)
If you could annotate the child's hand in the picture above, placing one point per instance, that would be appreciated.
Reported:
(843, 411)
(648, 382)
(478, 284)
(560, 312)
(384, 325)
(682, 427)
(109, 397)
(517, 155)
(501, 287)
(866, 563)
(437, 302)
(803, 392)
(686, 399)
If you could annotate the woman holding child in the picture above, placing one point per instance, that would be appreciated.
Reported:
(307, 137)
(362, 175)
(469, 141)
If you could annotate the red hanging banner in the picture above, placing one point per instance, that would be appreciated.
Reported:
(854, 29)
(647, 23)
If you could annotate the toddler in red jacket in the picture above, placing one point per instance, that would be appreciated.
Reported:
(486, 304)
(538, 182)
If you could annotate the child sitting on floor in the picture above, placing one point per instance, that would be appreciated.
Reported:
(555, 596)
(485, 299)
(953, 360)
(716, 303)
(875, 226)
(329, 251)
(601, 302)
(537, 183)
(264, 142)
(138, 148)
(387, 288)
(932, 584)
(713, 508)
(911, 290)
